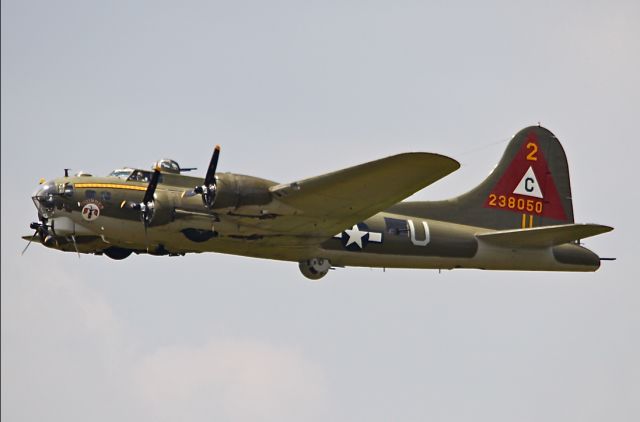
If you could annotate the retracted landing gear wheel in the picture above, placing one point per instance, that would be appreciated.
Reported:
(117, 253)
(315, 268)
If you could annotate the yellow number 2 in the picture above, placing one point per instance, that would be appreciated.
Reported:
(534, 150)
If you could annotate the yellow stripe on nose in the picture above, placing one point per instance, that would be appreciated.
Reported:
(108, 186)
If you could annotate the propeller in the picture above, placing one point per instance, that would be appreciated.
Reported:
(208, 189)
(146, 207)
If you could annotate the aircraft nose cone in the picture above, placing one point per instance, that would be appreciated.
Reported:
(44, 190)
(43, 198)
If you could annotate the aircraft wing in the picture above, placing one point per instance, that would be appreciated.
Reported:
(327, 204)
(543, 236)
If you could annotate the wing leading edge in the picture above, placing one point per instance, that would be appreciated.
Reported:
(337, 200)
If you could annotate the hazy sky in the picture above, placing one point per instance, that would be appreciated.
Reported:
(292, 89)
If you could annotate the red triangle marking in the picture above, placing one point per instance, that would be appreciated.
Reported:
(502, 196)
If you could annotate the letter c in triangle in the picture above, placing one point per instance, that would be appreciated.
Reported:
(529, 185)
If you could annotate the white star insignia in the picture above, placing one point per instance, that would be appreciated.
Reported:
(355, 236)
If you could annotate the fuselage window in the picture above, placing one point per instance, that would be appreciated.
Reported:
(106, 196)
(90, 194)
(396, 226)
(68, 189)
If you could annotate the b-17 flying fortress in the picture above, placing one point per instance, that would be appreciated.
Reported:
(519, 218)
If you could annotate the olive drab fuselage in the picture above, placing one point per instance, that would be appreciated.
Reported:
(259, 218)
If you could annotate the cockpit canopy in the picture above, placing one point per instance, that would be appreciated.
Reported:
(133, 175)
(165, 165)
(121, 173)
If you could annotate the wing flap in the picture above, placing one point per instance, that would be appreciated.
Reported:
(339, 199)
(539, 237)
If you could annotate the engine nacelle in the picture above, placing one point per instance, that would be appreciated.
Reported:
(315, 268)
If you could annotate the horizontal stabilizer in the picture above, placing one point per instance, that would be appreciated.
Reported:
(539, 237)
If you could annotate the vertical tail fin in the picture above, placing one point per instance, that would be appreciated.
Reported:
(528, 188)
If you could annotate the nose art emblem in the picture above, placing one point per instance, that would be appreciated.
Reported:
(90, 211)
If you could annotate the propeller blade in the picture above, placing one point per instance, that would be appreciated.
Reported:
(30, 240)
(213, 164)
(151, 189)
(146, 235)
(75, 245)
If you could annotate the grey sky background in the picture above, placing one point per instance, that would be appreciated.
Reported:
(291, 90)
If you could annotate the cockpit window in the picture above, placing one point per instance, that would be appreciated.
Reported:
(142, 176)
(133, 175)
(121, 173)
